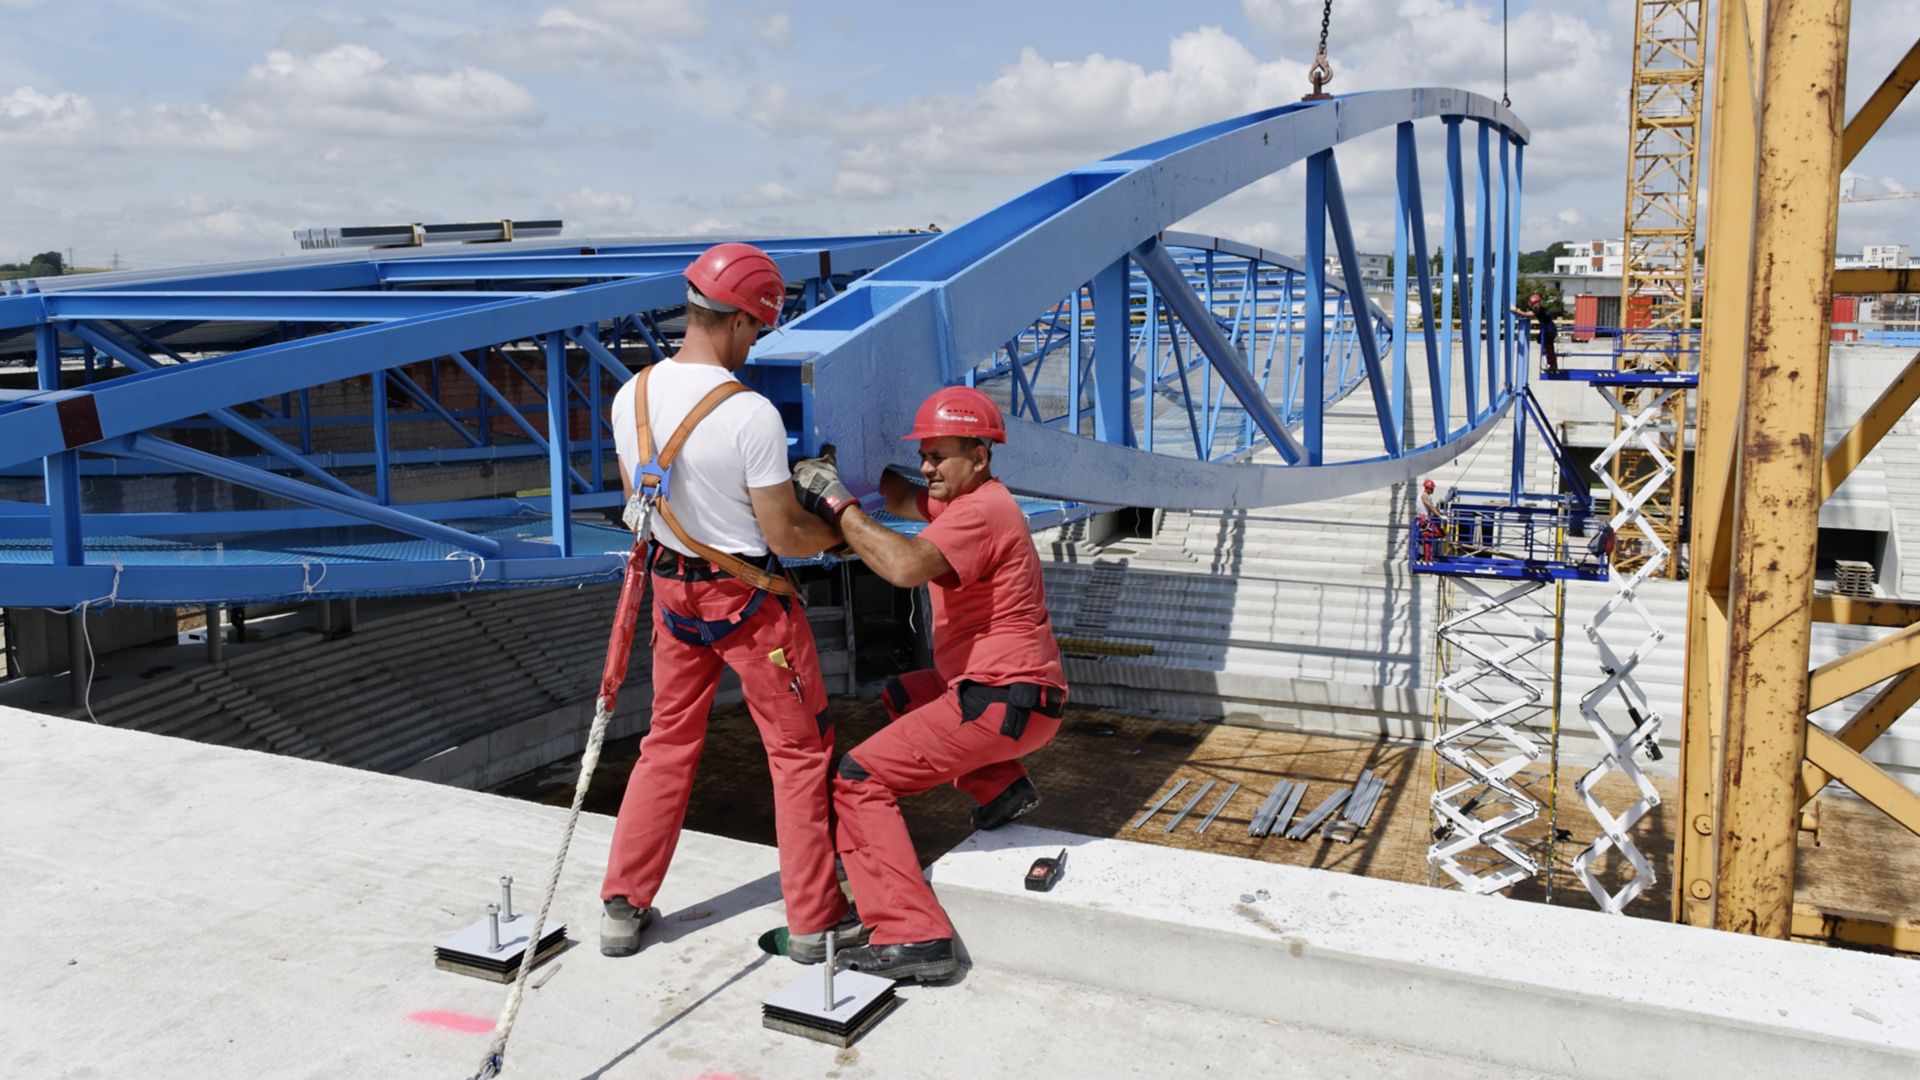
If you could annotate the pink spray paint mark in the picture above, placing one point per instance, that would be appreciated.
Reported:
(452, 1021)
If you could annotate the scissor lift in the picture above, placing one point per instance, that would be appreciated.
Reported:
(1503, 557)
(1641, 399)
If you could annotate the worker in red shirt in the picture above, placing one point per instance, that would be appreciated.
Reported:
(719, 506)
(995, 691)
(1431, 523)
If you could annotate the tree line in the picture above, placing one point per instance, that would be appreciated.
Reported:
(45, 264)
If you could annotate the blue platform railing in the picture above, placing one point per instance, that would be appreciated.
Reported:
(1540, 537)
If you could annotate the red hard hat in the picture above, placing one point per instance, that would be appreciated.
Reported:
(1426, 485)
(958, 410)
(741, 277)
(1534, 300)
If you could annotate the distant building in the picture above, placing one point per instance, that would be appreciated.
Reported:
(1592, 258)
(1376, 271)
(1874, 256)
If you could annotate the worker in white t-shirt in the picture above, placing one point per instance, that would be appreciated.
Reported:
(722, 600)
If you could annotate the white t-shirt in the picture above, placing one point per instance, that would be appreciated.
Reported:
(741, 444)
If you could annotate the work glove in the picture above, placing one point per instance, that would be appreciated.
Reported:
(816, 482)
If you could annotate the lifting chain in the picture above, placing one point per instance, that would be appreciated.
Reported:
(1504, 99)
(1321, 73)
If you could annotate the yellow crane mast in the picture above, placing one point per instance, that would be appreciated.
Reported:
(1657, 290)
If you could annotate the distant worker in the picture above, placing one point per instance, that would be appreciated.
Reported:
(1600, 549)
(1536, 310)
(1431, 523)
(996, 689)
(726, 509)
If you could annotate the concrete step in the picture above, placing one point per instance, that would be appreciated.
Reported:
(1367, 957)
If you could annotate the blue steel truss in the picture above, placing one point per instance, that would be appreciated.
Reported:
(1139, 366)
(942, 311)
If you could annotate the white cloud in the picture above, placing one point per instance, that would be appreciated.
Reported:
(354, 90)
(776, 31)
(26, 113)
(1038, 113)
(857, 184)
(308, 34)
(764, 194)
(621, 37)
(596, 212)
(408, 110)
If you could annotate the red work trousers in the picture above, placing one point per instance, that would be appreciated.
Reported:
(927, 744)
(789, 706)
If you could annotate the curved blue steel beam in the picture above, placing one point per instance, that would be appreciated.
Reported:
(923, 320)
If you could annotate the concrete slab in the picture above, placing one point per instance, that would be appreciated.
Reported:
(197, 911)
(1527, 986)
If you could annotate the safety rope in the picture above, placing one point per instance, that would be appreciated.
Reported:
(1321, 73)
(620, 642)
(86, 634)
(308, 583)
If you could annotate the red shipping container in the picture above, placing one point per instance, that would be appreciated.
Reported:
(1846, 309)
(1586, 312)
(1638, 312)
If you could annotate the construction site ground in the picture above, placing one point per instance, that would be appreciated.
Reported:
(1106, 768)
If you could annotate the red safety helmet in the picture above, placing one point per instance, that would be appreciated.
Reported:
(1427, 486)
(958, 410)
(1534, 300)
(738, 277)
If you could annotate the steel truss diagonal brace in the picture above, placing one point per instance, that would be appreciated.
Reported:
(1153, 261)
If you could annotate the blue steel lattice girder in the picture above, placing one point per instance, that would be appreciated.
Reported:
(923, 320)
(959, 298)
(1287, 291)
(148, 399)
(170, 393)
(139, 362)
(213, 465)
(1152, 257)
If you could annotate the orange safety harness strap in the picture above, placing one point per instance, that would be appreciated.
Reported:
(777, 584)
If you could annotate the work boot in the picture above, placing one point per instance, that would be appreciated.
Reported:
(920, 961)
(1017, 800)
(620, 926)
(811, 948)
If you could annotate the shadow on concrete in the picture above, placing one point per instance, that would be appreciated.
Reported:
(676, 1018)
(738, 900)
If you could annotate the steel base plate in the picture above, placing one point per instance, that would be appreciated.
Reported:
(859, 1002)
(465, 951)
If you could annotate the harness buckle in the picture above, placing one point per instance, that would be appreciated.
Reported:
(638, 515)
(652, 471)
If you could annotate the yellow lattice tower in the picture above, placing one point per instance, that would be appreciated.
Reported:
(1657, 290)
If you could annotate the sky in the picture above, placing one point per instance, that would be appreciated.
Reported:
(170, 132)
